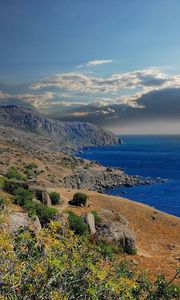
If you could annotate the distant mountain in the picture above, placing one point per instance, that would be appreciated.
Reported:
(77, 134)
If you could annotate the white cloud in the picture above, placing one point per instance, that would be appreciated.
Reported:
(119, 88)
(95, 63)
(131, 84)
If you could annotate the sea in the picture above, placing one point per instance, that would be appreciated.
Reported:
(150, 157)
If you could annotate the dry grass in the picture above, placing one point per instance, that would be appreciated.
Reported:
(157, 234)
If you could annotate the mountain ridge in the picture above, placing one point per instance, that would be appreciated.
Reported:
(74, 134)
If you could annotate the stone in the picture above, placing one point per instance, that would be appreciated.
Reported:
(46, 199)
(118, 234)
(91, 223)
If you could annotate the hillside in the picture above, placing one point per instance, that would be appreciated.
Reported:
(157, 234)
(61, 134)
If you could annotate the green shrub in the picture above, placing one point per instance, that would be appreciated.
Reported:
(79, 199)
(11, 185)
(2, 203)
(55, 198)
(106, 250)
(13, 173)
(130, 250)
(45, 213)
(97, 218)
(31, 207)
(2, 182)
(76, 224)
(21, 196)
(31, 166)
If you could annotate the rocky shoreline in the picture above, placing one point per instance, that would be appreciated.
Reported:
(100, 178)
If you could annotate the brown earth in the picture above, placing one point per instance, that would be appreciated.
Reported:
(157, 234)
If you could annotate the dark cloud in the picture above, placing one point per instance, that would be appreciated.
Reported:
(162, 105)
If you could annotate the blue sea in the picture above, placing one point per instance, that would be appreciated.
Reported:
(147, 156)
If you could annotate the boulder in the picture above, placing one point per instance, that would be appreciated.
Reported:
(46, 199)
(91, 223)
(118, 234)
(21, 219)
(41, 194)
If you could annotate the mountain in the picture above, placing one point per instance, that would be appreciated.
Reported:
(73, 134)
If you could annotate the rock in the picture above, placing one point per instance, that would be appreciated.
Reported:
(41, 195)
(118, 234)
(46, 199)
(36, 225)
(91, 223)
(21, 219)
(17, 219)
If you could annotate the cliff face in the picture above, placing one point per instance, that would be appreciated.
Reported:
(73, 133)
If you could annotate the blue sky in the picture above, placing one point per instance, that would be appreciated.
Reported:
(104, 40)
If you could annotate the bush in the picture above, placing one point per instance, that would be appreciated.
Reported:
(2, 203)
(45, 214)
(2, 182)
(79, 199)
(55, 198)
(76, 224)
(129, 250)
(13, 173)
(11, 185)
(31, 207)
(21, 196)
(31, 166)
(97, 218)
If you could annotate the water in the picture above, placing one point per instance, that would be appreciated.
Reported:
(148, 156)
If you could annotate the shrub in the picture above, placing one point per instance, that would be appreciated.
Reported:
(21, 196)
(76, 224)
(13, 173)
(97, 218)
(45, 214)
(2, 182)
(2, 203)
(129, 250)
(106, 250)
(31, 207)
(79, 199)
(11, 185)
(31, 166)
(55, 198)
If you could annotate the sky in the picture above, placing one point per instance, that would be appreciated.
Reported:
(114, 63)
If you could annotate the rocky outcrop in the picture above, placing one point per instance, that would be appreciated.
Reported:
(99, 179)
(71, 134)
(118, 234)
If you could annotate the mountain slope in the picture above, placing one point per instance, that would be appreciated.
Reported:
(73, 134)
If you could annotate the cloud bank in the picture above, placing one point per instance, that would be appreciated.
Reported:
(116, 100)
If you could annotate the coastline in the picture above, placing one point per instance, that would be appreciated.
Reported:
(156, 193)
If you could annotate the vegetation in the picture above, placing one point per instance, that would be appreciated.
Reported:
(45, 214)
(97, 218)
(60, 265)
(30, 170)
(55, 198)
(79, 199)
(13, 173)
(32, 166)
(76, 224)
(21, 196)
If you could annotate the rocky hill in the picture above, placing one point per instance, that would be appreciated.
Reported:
(71, 134)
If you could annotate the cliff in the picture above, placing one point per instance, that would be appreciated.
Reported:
(69, 134)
